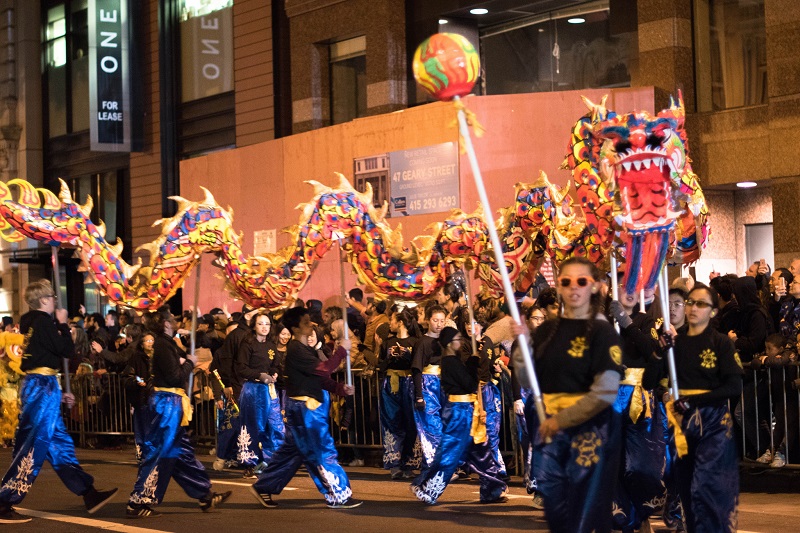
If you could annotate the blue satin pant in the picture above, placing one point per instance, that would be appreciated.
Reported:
(228, 428)
(141, 425)
(41, 436)
(429, 421)
(640, 490)
(397, 423)
(493, 405)
(456, 447)
(576, 473)
(261, 431)
(308, 441)
(167, 454)
(708, 476)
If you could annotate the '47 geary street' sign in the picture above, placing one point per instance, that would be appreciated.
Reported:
(424, 180)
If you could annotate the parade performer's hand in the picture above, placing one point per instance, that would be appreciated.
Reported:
(62, 316)
(549, 428)
(349, 390)
(732, 335)
(347, 343)
(619, 314)
(419, 405)
(520, 329)
(228, 392)
(682, 405)
(265, 378)
(69, 399)
(519, 407)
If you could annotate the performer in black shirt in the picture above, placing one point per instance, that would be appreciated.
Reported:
(576, 451)
(308, 438)
(427, 388)
(709, 373)
(397, 395)
(41, 433)
(138, 386)
(167, 451)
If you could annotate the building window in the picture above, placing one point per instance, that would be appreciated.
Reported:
(206, 28)
(576, 48)
(375, 171)
(348, 79)
(731, 54)
(66, 67)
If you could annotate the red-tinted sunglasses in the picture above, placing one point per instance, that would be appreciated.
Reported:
(566, 281)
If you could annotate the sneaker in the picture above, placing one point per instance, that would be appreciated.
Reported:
(409, 474)
(262, 466)
(500, 499)
(538, 501)
(264, 499)
(779, 461)
(766, 458)
(350, 503)
(96, 499)
(219, 464)
(140, 510)
(356, 462)
(396, 473)
(249, 473)
(213, 499)
(9, 516)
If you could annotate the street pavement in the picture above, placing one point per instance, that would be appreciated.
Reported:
(389, 506)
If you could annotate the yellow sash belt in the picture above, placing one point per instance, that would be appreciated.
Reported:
(43, 371)
(640, 399)
(186, 403)
(394, 378)
(432, 370)
(478, 428)
(674, 419)
(556, 402)
(311, 403)
(272, 392)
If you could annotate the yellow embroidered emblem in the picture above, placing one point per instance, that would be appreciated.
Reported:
(578, 346)
(586, 445)
(616, 354)
(659, 322)
(654, 333)
(736, 358)
(271, 354)
(709, 358)
(727, 423)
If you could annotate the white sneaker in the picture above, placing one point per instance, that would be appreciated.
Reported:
(766, 458)
(219, 464)
(779, 461)
(356, 462)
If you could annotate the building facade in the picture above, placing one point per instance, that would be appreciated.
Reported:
(207, 76)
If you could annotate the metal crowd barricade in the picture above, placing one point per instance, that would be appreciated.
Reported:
(768, 412)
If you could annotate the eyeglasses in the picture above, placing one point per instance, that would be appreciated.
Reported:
(537, 318)
(676, 305)
(566, 281)
(700, 304)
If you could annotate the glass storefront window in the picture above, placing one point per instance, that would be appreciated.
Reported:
(731, 54)
(555, 54)
(79, 67)
(348, 79)
(206, 28)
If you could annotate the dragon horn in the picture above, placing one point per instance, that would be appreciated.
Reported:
(230, 212)
(101, 229)
(50, 199)
(86, 208)
(130, 270)
(182, 202)
(64, 193)
(344, 183)
(318, 188)
(28, 195)
(209, 198)
(116, 248)
(599, 111)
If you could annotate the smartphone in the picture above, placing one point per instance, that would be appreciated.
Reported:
(762, 262)
(782, 282)
(139, 380)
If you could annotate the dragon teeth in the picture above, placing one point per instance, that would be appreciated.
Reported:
(646, 163)
(637, 164)
(627, 166)
(658, 161)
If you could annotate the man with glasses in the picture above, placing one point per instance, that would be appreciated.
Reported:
(41, 433)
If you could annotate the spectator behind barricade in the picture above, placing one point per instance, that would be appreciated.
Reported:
(357, 360)
(729, 314)
(330, 314)
(202, 351)
(452, 297)
(124, 317)
(315, 311)
(355, 312)
(96, 330)
(117, 361)
(112, 324)
(501, 330)
(760, 271)
(83, 349)
(315, 340)
(214, 337)
(376, 312)
(755, 323)
(777, 355)
(548, 300)
(784, 305)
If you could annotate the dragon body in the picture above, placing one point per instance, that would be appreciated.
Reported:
(633, 181)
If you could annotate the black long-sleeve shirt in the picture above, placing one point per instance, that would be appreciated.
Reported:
(168, 371)
(46, 343)
(426, 352)
(639, 341)
(459, 377)
(223, 360)
(255, 358)
(307, 375)
(138, 365)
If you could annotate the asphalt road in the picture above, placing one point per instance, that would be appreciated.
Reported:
(388, 506)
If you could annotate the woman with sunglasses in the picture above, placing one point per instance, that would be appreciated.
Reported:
(576, 450)
(459, 378)
(709, 373)
(640, 491)
(257, 366)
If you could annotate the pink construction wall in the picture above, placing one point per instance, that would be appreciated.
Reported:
(263, 183)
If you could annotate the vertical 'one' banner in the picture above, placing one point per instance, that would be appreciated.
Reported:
(109, 76)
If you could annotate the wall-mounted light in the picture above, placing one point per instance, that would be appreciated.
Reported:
(746, 184)
(576, 20)
(442, 21)
(479, 11)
